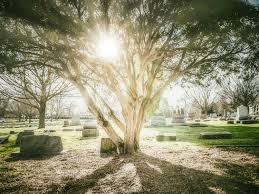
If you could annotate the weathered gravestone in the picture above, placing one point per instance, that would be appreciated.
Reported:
(242, 113)
(66, 124)
(230, 122)
(107, 146)
(166, 137)
(198, 125)
(216, 135)
(22, 134)
(75, 120)
(92, 132)
(4, 139)
(157, 121)
(178, 119)
(49, 131)
(248, 122)
(40, 145)
(68, 129)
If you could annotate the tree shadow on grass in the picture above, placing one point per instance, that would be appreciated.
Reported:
(159, 176)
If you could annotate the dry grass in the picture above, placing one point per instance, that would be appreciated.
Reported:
(172, 167)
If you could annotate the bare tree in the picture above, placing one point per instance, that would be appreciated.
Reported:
(56, 107)
(34, 87)
(241, 90)
(202, 97)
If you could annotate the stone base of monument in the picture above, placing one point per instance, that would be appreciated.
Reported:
(248, 122)
(66, 124)
(107, 146)
(90, 132)
(4, 139)
(166, 137)
(23, 134)
(178, 119)
(67, 129)
(216, 135)
(197, 120)
(40, 145)
(230, 122)
(89, 126)
(49, 131)
(198, 125)
(79, 129)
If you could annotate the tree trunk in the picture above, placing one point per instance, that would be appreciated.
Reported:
(42, 111)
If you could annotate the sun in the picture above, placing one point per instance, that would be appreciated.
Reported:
(107, 47)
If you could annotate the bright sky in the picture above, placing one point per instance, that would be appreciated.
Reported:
(174, 95)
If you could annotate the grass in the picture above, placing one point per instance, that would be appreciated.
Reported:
(242, 134)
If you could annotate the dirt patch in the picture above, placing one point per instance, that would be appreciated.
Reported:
(160, 168)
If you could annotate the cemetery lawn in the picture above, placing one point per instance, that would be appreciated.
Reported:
(242, 134)
(188, 165)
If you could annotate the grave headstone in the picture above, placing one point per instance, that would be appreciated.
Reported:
(242, 113)
(248, 121)
(66, 124)
(166, 137)
(198, 125)
(157, 121)
(93, 132)
(178, 119)
(230, 122)
(68, 129)
(107, 146)
(216, 135)
(4, 139)
(41, 145)
(22, 134)
(75, 120)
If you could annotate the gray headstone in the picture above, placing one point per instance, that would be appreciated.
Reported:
(22, 134)
(166, 137)
(242, 113)
(90, 132)
(178, 119)
(216, 135)
(75, 120)
(107, 146)
(158, 121)
(41, 145)
(248, 122)
(66, 124)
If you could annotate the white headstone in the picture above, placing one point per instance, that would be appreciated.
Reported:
(242, 112)
(75, 120)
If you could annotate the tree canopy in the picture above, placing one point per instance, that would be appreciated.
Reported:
(160, 42)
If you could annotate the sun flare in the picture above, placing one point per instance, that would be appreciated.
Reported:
(107, 47)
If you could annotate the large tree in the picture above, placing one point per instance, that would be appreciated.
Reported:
(160, 42)
(34, 87)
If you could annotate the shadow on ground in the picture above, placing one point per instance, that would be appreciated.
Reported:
(153, 175)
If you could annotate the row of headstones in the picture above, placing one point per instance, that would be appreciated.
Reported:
(31, 144)
(203, 135)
